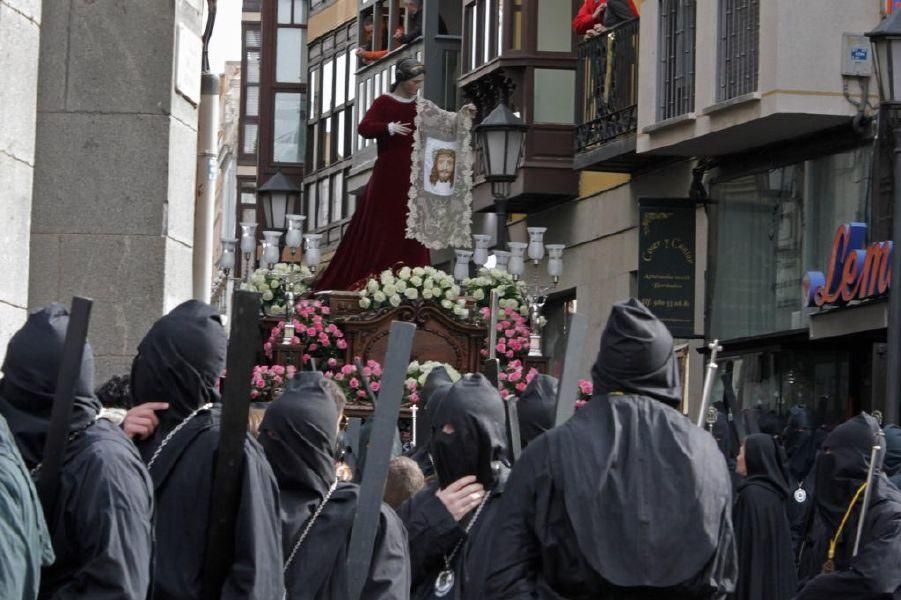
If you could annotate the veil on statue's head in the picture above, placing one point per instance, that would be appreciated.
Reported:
(407, 69)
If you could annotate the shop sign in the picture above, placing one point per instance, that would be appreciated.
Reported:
(856, 271)
(666, 262)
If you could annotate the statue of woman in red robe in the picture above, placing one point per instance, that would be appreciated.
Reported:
(375, 239)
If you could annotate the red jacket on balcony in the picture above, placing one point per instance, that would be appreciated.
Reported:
(585, 19)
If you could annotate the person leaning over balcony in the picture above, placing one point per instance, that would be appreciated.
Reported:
(591, 15)
(367, 50)
(619, 11)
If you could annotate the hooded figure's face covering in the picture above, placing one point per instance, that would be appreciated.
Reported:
(299, 434)
(30, 372)
(842, 465)
(636, 356)
(473, 409)
(799, 441)
(764, 463)
(180, 361)
(537, 407)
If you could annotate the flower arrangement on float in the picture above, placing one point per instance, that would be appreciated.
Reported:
(349, 380)
(514, 379)
(512, 335)
(511, 293)
(405, 285)
(417, 373)
(274, 283)
(314, 331)
(267, 381)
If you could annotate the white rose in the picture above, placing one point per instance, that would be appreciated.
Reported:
(411, 293)
(373, 286)
(437, 293)
(418, 271)
(479, 295)
(405, 273)
(386, 277)
(401, 286)
(282, 268)
(430, 271)
(459, 310)
(450, 295)
(410, 381)
(416, 280)
(394, 300)
(365, 303)
(379, 296)
(447, 304)
(277, 309)
(428, 283)
(427, 294)
(267, 296)
(275, 284)
(389, 289)
(524, 311)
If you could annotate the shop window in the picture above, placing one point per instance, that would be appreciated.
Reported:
(768, 229)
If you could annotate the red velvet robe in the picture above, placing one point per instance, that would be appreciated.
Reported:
(376, 238)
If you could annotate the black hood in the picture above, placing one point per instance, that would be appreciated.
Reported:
(764, 463)
(475, 410)
(892, 463)
(636, 356)
(30, 373)
(433, 393)
(843, 463)
(180, 361)
(537, 407)
(799, 440)
(299, 433)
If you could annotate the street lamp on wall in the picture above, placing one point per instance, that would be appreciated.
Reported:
(501, 137)
(886, 42)
(278, 197)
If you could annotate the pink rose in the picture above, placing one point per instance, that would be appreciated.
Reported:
(361, 394)
(278, 370)
(339, 377)
(375, 385)
(332, 362)
(414, 398)
(311, 332)
(367, 371)
(347, 369)
(515, 376)
(510, 354)
(509, 332)
(580, 403)
(411, 386)
(505, 394)
(261, 384)
(342, 345)
(305, 358)
(325, 309)
(508, 311)
(295, 341)
(254, 394)
(263, 368)
(267, 347)
(354, 383)
(520, 387)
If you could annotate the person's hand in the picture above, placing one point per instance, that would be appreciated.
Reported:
(398, 33)
(141, 421)
(599, 28)
(359, 51)
(399, 128)
(461, 496)
(598, 12)
(590, 34)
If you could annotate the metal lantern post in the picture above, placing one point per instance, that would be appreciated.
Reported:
(501, 137)
(278, 198)
(886, 42)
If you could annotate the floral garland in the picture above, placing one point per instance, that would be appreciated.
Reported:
(267, 382)
(313, 331)
(269, 283)
(406, 285)
(511, 292)
(417, 373)
(348, 379)
(512, 335)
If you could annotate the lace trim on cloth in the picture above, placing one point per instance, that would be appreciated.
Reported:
(440, 207)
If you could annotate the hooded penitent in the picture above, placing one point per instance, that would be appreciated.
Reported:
(435, 389)
(841, 469)
(537, 407)
(100, 521)
(592, 509)
(179, 362)
(762, 529)
(475, 411)
(30, 371)
(468, 438)
(299, 433)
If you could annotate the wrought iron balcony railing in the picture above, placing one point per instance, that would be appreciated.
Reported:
(607, 86)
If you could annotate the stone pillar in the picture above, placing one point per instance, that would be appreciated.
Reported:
(113, 205)
(20, 27)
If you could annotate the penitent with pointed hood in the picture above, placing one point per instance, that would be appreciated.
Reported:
(180, 361)
(299, 433)
(841, 471)
(101, 522)
(451, 520)
(594, 508)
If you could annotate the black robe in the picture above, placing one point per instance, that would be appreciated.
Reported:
(876, 570)
(627, 499)
(477, 446)
(537, 408)
(182, 479)
(800, 442)
(180, 361)
(100, 524)
(762, 530)
(299, 433)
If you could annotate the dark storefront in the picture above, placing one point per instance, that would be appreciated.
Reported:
(769, 226)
